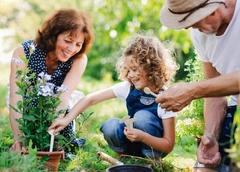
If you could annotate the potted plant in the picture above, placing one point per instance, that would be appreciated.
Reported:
(38, 107)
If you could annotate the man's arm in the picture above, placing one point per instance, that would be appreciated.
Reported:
(179, 95)
(223, 85)
(214, 108)
(214, 113)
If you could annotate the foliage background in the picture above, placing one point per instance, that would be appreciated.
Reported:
(114, 21)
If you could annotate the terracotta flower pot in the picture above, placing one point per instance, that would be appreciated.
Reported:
(54, 159)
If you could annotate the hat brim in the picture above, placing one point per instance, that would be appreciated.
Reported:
(171, 20)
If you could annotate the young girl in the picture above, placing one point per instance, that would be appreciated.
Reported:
(145, 63)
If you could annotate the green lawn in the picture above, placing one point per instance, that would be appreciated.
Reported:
(181, 159)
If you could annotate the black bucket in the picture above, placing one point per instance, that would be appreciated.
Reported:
(129, 168)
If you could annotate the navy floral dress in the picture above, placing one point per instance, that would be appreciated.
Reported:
(37, 64)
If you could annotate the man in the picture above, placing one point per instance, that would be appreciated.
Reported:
(215, 36)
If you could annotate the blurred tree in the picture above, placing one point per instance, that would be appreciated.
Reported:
(114, 21)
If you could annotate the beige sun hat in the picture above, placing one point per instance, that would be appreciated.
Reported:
(179, 14)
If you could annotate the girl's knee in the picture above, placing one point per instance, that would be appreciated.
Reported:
(111, 127)
(148, 122)
(113, 133)
(145, 118)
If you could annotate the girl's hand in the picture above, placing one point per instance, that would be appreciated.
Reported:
(57, 125)
(134, 135)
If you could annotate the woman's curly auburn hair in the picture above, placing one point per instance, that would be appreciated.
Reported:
(154, 58)
(65, 20)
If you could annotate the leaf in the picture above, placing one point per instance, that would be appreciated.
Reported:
(18, 84)
(23, 58)
(20, 105)
(15, 109)
(29, 118)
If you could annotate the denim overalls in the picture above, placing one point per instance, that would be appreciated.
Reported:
(143, 107)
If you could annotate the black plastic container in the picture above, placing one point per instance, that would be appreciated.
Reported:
(129, 168)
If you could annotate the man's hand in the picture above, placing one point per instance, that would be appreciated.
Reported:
(208, 151)
(176, 97)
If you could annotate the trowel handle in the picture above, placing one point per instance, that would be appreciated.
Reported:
(108, 158)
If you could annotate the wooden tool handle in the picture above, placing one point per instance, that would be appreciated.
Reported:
(108, 158)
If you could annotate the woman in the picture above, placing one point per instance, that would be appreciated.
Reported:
(60, 49)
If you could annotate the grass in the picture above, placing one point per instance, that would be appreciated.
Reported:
(181, 159)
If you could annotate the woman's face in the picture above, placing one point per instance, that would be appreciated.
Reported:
(67, 45)
(135, 74)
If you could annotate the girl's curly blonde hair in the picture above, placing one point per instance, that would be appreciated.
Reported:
(155, 60)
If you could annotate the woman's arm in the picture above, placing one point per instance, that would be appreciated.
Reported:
(72, 79)
(14, 98)
(80, 106)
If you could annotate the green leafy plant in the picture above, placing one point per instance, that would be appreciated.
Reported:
(13, 161)
(235, 147)
(38, 106)
(190, 123)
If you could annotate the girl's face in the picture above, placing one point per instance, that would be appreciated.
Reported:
(67, 45)
(135, 73)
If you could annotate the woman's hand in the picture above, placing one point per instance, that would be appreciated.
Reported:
(17, 146)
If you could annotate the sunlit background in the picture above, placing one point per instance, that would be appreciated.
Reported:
(114, 21)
